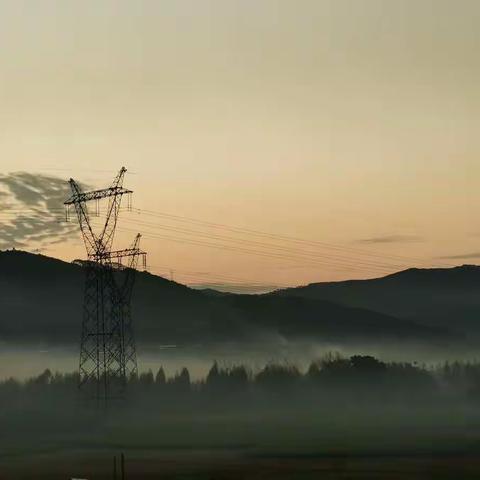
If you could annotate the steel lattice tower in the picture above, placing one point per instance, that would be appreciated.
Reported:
(107, 349)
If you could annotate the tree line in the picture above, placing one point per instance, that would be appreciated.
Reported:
(332, 376)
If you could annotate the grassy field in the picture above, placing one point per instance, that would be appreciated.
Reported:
(269, 439)
(228, 465)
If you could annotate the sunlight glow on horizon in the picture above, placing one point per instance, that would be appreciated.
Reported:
(348, 123)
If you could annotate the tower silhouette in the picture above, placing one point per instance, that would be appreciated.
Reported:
(107, 347)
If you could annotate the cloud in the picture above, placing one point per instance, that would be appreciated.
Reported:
(461, 256)
(32, 208)
(391, 239)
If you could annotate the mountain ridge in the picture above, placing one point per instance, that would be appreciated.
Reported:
(442, 297)
(42, 298)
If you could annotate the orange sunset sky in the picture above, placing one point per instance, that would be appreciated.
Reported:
(351, 125)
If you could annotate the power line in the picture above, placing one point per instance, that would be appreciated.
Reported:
(278, 236)
(313, 260)
(215, 277)
(269, 246)
(334, 256)
(332, 259)
(243, 230)
(263, 254)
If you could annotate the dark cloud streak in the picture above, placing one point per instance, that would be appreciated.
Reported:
(35, 203)
(461, 256)
(391, 239)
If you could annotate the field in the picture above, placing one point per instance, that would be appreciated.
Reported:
(227, 465)
(277, 425)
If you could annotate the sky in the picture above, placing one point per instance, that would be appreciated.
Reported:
(268, 142)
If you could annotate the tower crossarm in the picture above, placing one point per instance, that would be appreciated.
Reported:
(98, 245)
(96, 195)
(119, 255)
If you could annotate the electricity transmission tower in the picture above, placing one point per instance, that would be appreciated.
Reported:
(107, 349)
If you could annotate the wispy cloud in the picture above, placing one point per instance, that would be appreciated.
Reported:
(32, 206)
(391, 239)
(461, 256)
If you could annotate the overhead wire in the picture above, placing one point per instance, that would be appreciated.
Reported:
(347, 267)
(275, 236)
(342, 256)
(268, 246)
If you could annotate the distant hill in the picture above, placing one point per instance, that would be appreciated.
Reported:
(445, 297)
(41, 299)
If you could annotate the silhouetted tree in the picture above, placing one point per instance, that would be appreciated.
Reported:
(181, 381)
(237, 377)
(160, 378)
(226, 380)
(44, 378)
(146, 379)
(213, 376)
(367, 365)
(278, 377)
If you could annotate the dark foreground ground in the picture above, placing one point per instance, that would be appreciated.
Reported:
(348, 419)
(267, 447)
(208, 465)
